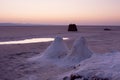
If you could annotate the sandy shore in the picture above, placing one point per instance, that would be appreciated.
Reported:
(12, 57)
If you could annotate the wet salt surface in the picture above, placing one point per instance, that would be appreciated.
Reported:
(26, 41)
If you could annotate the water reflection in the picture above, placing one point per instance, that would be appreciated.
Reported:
(26, 41)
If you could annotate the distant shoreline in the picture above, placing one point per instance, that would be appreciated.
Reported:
(58, 25)
(40, 25)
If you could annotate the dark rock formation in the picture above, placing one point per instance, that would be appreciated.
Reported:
(73, 77)
(79, 77)
(72, 27)
(107, 29)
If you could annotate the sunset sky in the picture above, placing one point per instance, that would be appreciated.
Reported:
(87, 12)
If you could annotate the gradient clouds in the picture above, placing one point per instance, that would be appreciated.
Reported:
(60, 11)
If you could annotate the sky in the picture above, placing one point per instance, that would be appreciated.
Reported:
(83, 12)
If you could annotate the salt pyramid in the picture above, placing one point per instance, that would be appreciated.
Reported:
(78, 52)
(59, 53)
(80, 49)
(56, 50)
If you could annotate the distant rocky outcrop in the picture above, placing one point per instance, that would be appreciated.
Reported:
(107, 29)
(72, 27)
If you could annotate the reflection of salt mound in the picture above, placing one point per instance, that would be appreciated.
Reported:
(57, 49)
(79, 52)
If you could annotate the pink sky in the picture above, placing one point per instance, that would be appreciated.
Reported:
(60, 11)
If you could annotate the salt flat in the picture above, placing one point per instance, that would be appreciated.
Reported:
(13, 65)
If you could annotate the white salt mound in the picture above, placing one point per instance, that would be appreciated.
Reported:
(57, 50)
(78, 52)
(59, 53)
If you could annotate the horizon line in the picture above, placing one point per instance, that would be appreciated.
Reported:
(36, 24)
